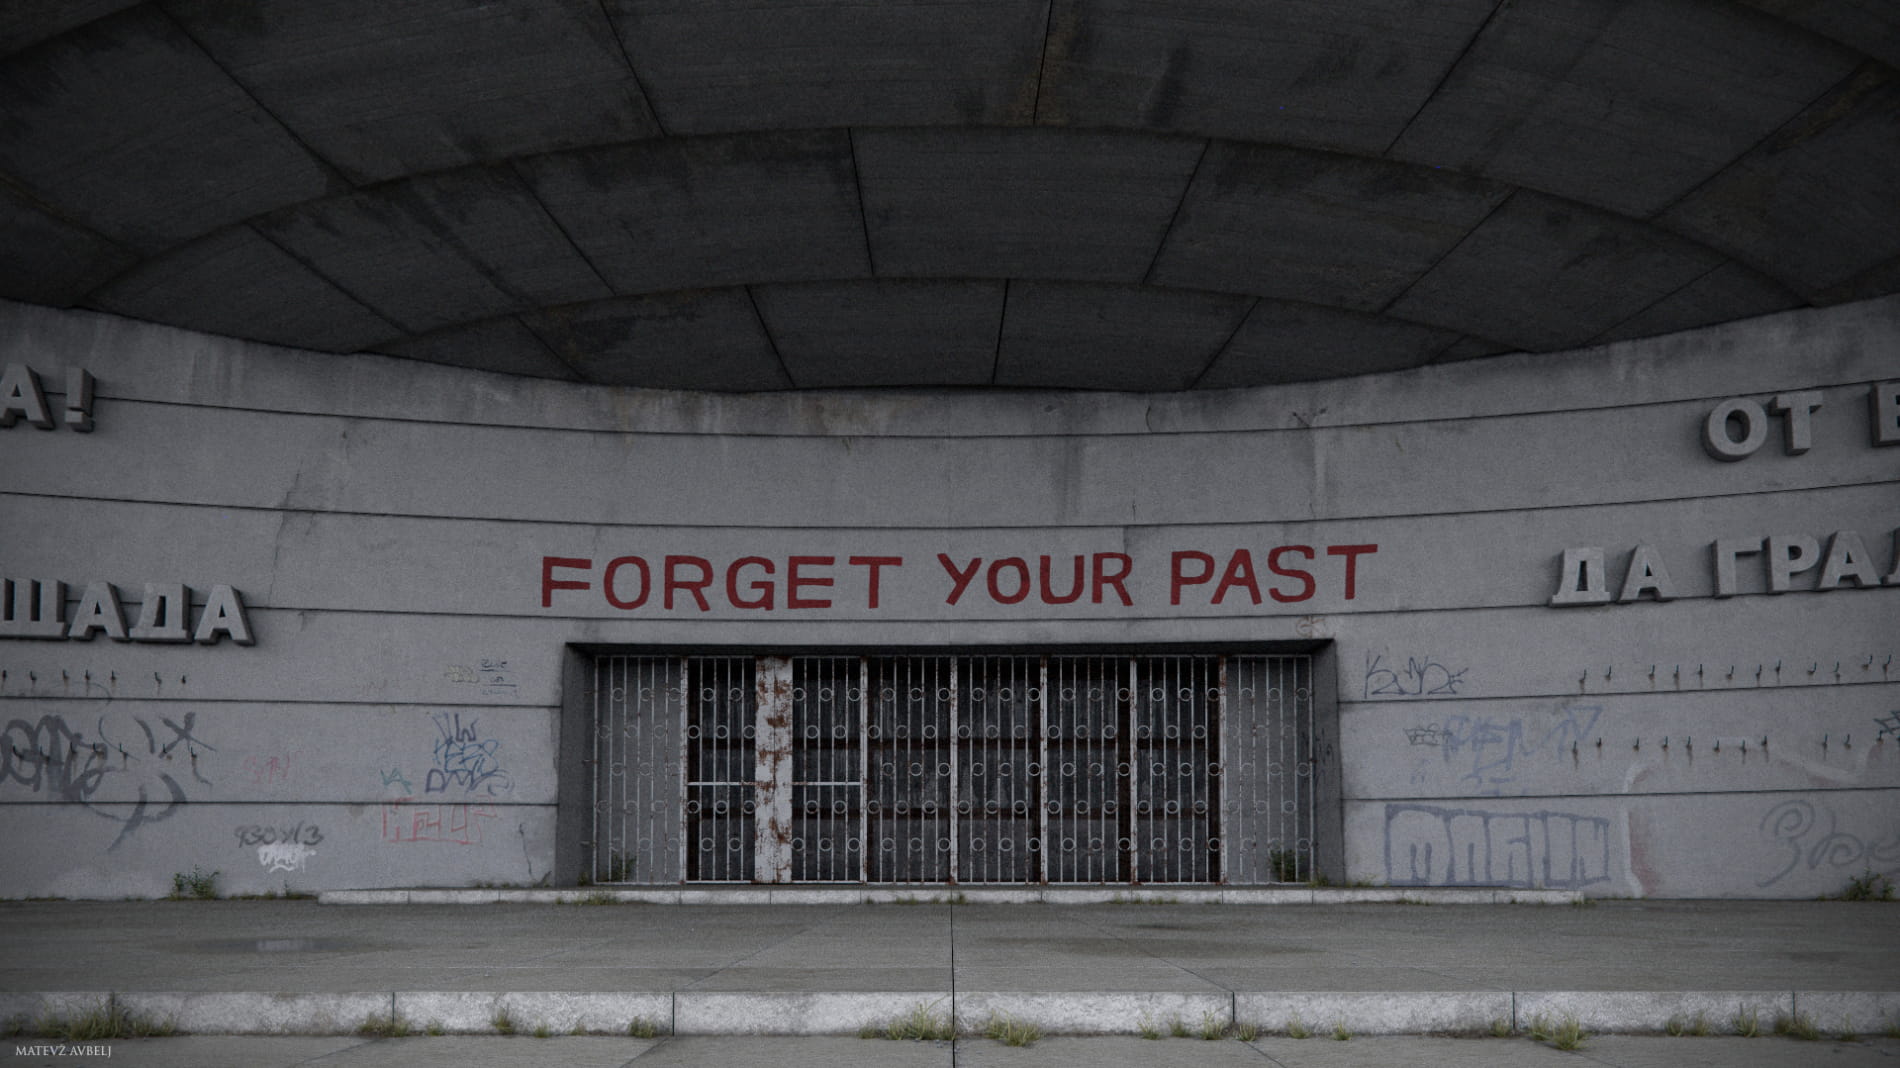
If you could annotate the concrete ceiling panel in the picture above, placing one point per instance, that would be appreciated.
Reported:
(239, 284)
(27, 22)
(718, 66)
(701, 212)
(1282, 341)
(1470, 348)
(1871, 26)
(1626, 104)
(1818, 203)
(126, 127)
(1316, 73)
(1068, 336)
(885, 333)
(503, 345)
(1545, 274)
(998, 202)
(700, 340)
(436, 251)
(1731, 291)
(385, 89)
(1317, 227)
(67, 261)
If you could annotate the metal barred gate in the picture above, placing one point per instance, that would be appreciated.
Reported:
(952, 768)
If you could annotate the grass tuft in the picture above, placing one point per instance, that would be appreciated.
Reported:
(542, 1030)
(1869, 886)
(435, 1028)
(1246, 1032)
(1177, 1028)
(1697, 1025)
(1010, 1031)
(641, 1027)
(503, 1022)
(200, 885)
(384, 1025)
(1340, 1034)
(1565, 1034)
(922, 1023)
(1212, 1027)
(1747, 1022)
(1797, 1025)
(1148, 1028)
(1295, 1028)
(1500, 1028)
(100, 1021)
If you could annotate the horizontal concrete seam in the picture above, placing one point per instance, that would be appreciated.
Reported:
(427, 517)
(676, 621)
(1375, 424)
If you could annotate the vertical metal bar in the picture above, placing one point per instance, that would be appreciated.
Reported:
(864, 769)
(1217, 789)
(1040, 772)
(955, 823)
(1134, 771)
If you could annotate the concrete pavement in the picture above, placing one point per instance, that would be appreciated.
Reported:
(1060, 1051)
(696, 974)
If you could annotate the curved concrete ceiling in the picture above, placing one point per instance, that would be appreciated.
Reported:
(1102, 194)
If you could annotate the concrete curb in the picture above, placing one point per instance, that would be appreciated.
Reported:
(690, 1012)
(950, 895)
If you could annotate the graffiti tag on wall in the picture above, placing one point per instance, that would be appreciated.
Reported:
(455, 824)
(1495, 746)
(1808, 835)
(53, 758)
(464, 760)
(1427, 845)
(1416, 677)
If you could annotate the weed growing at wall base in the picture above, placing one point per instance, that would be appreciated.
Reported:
(922, 1023)
(385, 1025)
(1869, 886)
(1697, 1025)
(1010, 1031)
(200, 885)
(1798, 1026)
(100, 1021)
(1565, 1034)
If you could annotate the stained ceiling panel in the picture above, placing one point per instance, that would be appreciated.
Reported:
(885, 333)
(67, 263)
(1545, 274)
(1316, 226)
(126, 127)
(699, 340)
(384, 89)
(238, 283)
(1019, 203)
(717, 66)
(441, 249)
(1319, 73)
(1815, 204)
(503, 345)
(1065, 335)
(1627, 105)
(713, 211)
(1283, 341)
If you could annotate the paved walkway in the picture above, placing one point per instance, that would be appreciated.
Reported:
(717, 973)
(1060, 1051)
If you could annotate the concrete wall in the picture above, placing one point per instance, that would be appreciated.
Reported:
(397, 721)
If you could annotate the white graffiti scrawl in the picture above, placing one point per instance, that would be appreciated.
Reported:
(284, 856)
